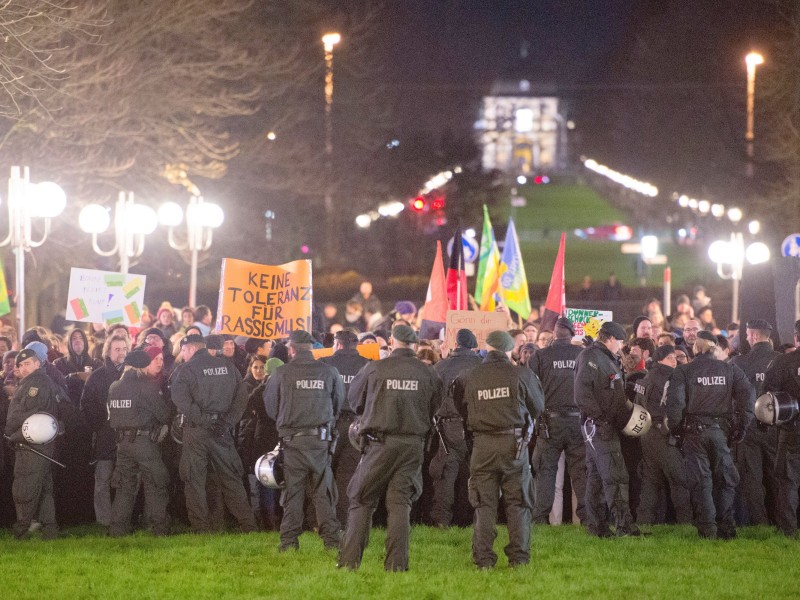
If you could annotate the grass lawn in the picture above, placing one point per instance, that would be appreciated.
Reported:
(565, 563)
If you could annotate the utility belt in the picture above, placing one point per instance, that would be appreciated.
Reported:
(323, 432)
(208, 418)
(450, 419)
(130, 434)
(380, 437)
(700, 423)
(563, 414)
(515, 431)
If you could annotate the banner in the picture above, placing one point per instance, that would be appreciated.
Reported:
(5, 305)
(370, 351)
(488, 280)
(105, 297)
(587, 321)
(264, 301)
(513, 282)
(480, 323)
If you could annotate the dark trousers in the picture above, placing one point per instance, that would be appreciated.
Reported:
(755, 462)
(307, 466)
(663, 472)
(444, 470)
(493, 469)
(395, 467)
(565, 436)
(788, 472)
(32, 491)
(712, 479)
(203, 451)
(606, 484)
(141, 457)
(344, 463)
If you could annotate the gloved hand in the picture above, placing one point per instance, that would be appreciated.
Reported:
(220, 428)
(737, 434)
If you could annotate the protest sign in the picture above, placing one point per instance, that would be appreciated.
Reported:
(105, 297)
(481, 323)
(264, 301)
(370, 351)
(587, 321)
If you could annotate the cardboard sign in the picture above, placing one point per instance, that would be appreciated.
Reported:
(481, 323)
(587, 321)
(264, 301)
(105, 297)
(370, 351)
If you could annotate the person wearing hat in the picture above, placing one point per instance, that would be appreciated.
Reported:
(304, 397)
(211, 395)
(165, 322)
(755, 456)
(500, 402)
(710, 402)
(396, 398)
(560, 424)
(137, 412)
(348, 362)
(663, 470)
(447, 462)
(784, 376)
(32, 489)
(600, 395)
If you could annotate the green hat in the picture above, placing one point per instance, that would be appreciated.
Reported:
(404, 334)
(500, 340)
(25, 355)
(614, 330)
(707, 336)
(272, 364)
(298, 336)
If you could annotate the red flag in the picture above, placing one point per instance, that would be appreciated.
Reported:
(457, 276)
(556, 304)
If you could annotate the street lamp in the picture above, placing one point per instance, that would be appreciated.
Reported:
(752, 60)
(27, 201)
(131, 223)
(329, 40)
(201, 219)
(730, 257)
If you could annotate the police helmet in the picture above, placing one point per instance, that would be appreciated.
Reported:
(40, 428)
(639, 422)
(269, 470)
(776, 408)
(354, 433)
(176, 429)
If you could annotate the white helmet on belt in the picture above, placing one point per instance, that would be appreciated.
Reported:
(776, 408)
(269, 469)
(639, 423)
(40, 428)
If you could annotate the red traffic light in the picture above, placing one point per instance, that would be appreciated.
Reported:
(418, 204)
(438, 203)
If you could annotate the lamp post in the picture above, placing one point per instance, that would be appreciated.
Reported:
(132, 222)
(27, 201)
(201, 219)
(329, 40)
(730, 257)
(752, 60)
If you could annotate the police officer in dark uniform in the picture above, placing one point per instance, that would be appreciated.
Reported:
(663, 467)
(303, 397)
(137, 412)
(348, 362)
(396, 398)
(559, 428)
(446, 464)
(500, 401)
(710, 402)
(32, 489)
(755, 456)
(600, 395)
(784, 376)
(211, 395)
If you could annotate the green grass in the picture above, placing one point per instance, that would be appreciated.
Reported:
(565, 562)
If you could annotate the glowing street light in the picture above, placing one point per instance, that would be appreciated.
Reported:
(329, 40)
(752, 60)
(730, 257)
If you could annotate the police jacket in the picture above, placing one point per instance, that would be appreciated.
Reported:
(35, 393)
(206, 386)
(497, 395)
(460, 362)
(600, 387)
(756, 363)
(555, 368)
(95, 411)
(348, 362)
(784, 376)
(397, 395)
(651, 390)
(707, 387)
(303, 394)
(136, 402)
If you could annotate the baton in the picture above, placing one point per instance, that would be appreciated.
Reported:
(42, 454)
(437, 425)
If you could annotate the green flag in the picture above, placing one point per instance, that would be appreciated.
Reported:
(487, 282)
(5, 307)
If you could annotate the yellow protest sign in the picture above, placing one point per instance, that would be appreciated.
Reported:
(264, 301)
(370, 351)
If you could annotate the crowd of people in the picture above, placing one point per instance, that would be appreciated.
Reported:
(165, 424)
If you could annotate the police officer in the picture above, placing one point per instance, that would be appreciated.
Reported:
(348, 362)
(396, 398)
(755, 456)
(663, 467)
(501, 402)
(211, 395)
(137, 412)
(710, 401)
(600, 395)
(559, 427)
(784, 376)
(303, 398)
(32, 489)
(446, 464)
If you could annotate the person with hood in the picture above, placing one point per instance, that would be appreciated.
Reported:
(77, 359)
